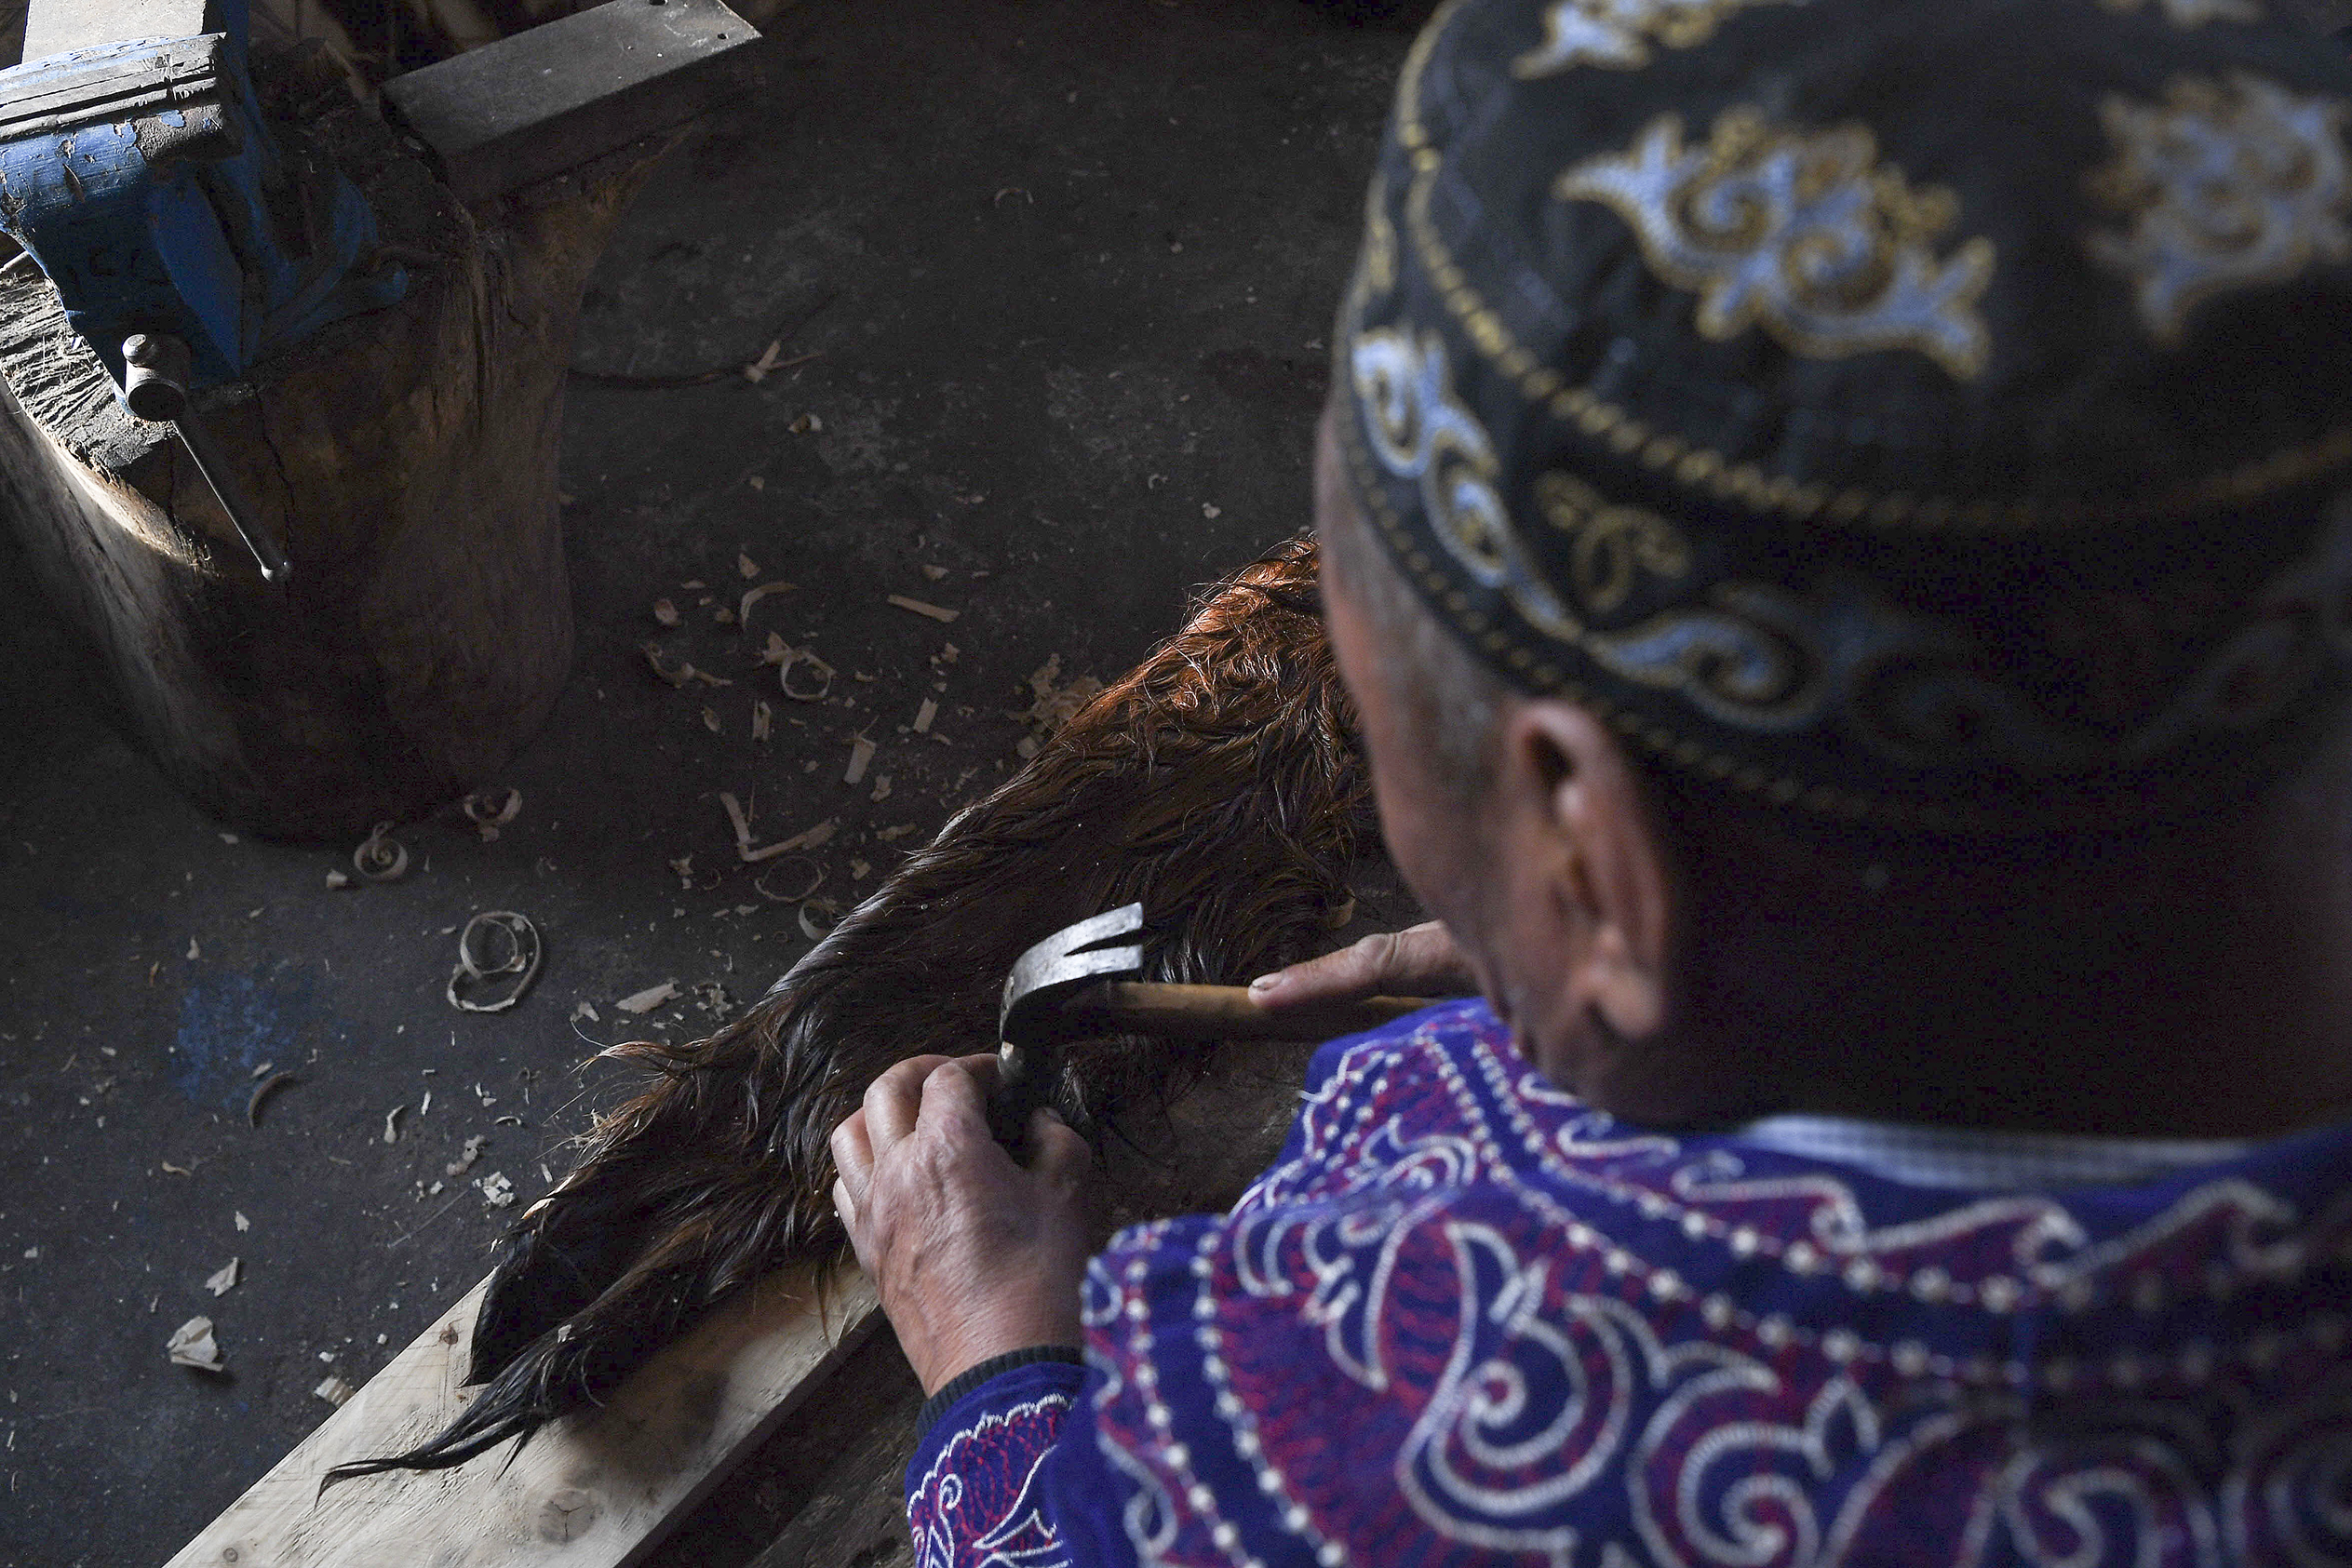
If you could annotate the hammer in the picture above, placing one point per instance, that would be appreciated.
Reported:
(1070, 987)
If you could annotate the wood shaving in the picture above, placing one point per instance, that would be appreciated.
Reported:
(524, 952)
(335, 1392)
(242, 1223)
(753, 596)
(490, 810)
(666, 613)
(710, 720)
(815, 875)
(747, 566)
(191, 1345)
(934, 611)
(392, 1124)
(465, 1161)
(649, 999)
(224, 1279)
(684, 867)
(678, 672)
(858, 870)
(338, 879)
(882, 789)
(860, 753)
(891, 835)
(1053, 705)
(379, 858)
(924, 714)
(762, 718)
(807, 839)
(497, 1190)
(807, 425)
(269, 1086)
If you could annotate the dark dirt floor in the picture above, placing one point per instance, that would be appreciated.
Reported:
(1068, 267)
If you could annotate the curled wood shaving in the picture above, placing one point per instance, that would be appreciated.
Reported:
(816, 880)
(678, 672)
(753, 596)
(523, 954)
(807, 839)
(267, 1087)
(490, 810)
(379, 858)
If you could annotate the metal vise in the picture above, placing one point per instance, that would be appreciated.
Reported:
(137, 169)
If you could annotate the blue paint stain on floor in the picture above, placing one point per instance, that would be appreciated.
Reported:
(230, 1024)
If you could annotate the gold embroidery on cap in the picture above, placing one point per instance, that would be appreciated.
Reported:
(1614, 543)
(1423, 432)
(1379, 238)
(1805, 234)
(2193, 13)
(2228, 184)
(1619, 33)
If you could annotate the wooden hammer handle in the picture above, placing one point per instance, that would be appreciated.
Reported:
(1226, 1013)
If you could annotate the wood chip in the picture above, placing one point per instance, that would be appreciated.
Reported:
(666, 613)
(934, 611)
(678, 672)
(710, 720)
(745, 565)
(924, 714)
(647, 1000)
(392, 1124)
(933, 572)
(753, 596)
(807, 839)
(224, 1279)
(882, 789)
(335, 1392)
(860, 753)
(270, 1086)
(760, 717)
(191, 1345)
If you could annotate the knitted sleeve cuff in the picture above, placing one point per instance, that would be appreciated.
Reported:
(966, 1381)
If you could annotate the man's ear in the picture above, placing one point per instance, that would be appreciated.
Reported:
(1602, 864)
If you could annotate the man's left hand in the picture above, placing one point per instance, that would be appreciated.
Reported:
(973, 1256)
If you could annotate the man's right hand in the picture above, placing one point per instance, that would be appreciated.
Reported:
(1418, 961)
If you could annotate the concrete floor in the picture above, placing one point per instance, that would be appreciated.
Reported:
(1077, 260)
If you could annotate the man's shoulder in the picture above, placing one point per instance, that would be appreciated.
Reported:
(1465, 1309)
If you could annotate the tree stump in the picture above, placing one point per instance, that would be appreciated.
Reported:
(407, 461)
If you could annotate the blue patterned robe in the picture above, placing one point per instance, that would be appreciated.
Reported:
(1465, 1318)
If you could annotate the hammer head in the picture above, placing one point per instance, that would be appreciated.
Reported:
(1049, 971)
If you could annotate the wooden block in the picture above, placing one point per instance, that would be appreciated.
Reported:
(553, 97)
(594, 1492)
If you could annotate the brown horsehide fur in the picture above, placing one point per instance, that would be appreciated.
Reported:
(1218, 781)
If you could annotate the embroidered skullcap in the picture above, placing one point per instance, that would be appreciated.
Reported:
(1917, 412)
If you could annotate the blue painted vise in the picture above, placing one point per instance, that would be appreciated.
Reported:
(135, 168)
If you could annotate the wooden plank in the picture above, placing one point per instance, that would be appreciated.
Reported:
(594, 1492)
